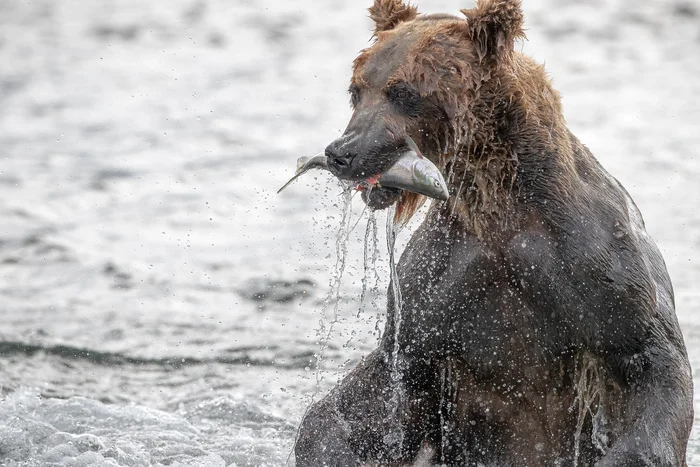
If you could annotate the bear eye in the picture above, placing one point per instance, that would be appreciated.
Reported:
(404, 97)
(400, 92)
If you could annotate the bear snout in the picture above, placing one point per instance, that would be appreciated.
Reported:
(340, 159)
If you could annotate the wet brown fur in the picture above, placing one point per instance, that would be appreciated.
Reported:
(388, 14)
(506, 98)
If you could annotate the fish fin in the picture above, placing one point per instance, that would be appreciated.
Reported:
(289, 182)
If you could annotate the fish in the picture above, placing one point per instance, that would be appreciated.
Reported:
(304, 164)
(411, 172)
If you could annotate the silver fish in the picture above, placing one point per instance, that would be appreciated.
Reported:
(411, 172)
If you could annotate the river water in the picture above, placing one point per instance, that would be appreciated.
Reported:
(160, 304)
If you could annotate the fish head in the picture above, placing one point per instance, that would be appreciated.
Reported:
(428, 180)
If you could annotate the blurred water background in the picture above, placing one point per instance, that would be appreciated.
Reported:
(160, 304)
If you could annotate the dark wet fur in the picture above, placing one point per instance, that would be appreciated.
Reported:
(380, 198)
(538, 316)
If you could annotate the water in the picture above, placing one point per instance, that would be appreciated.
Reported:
(370, 265)
(341, 251)
(160, 303)
(395, 438)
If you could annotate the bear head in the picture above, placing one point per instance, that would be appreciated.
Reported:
(426, 77)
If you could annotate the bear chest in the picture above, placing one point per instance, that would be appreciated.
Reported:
(459, 299)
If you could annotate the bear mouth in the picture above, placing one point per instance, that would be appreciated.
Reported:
(379, 197)
(411, 172)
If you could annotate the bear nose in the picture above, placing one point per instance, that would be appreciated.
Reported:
(339, 159)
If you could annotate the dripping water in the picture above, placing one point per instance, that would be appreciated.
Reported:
(391, 233)
(443, 381)
(341, 250)
(592, 400)
(371, 256)
(395, 435)
(368, 261)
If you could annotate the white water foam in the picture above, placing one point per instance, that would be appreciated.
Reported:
(82, 432)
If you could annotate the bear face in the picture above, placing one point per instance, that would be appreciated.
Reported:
(426, 77)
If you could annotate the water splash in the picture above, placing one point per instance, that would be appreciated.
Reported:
(593, 399)
(447, 405)
(443, 383)
(371, 255)
(395, 436)
(391, 233)
(341, 253)
(375, 288)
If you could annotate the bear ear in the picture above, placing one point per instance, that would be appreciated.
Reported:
(387, 14)
(494, 25)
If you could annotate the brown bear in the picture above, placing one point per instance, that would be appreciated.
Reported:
(537, 323)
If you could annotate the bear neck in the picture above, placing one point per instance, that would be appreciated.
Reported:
(513, 134)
